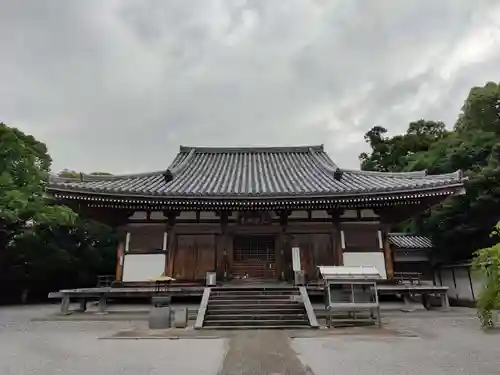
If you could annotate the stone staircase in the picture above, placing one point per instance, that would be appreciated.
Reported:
(255, 308)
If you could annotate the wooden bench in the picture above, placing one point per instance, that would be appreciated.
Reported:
(408, 291)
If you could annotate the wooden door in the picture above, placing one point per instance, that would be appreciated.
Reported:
(315, 250)
(205, 254)
(194, 257)
(184, 265)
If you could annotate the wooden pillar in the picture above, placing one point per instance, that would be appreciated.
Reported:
(164, 247)
(121, 250)
(389, 263)
(171, 248)
(340, 245)
(278, 250)
(117, 220)
(338, 240)
(222, 256)
(120, 255)
(170, 243)
(128, 235)
(281, 265)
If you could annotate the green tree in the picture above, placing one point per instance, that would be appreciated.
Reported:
(481, 110)
(392, 154)
(487, 262)
(24, 171)
(67, 173)
(65, 256)
(460, 224)
(60, 250)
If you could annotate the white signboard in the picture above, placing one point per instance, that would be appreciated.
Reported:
(142, 267)
(296, 258)
(375, 259)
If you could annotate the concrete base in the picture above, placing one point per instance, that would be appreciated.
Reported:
(180, 318)
(159, 318)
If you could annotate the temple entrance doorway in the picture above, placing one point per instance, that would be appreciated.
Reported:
(254, 257)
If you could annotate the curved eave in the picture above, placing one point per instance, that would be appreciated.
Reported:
(449, 189)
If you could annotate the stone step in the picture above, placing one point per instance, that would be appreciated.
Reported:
(256, 323)
(252, 291)
(263, 317)
(255, 311)
(255, 307)
(254, 302)
(243, 327)
(253, 296)
(252, 287)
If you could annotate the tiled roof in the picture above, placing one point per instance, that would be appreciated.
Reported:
(256, 172)
(409, 241)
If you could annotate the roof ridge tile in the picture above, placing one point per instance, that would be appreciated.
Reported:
(251, 149)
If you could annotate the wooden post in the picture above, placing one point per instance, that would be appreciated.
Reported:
(65, 304)
(340, 245)
(222, 265)
(165, 241)
(170, 259)
(338, 241)
(389, 263)
(280, 252)
(127, 241)
(120, 255)
(164, 247)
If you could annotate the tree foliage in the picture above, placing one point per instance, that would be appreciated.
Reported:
(460, 224)
(53, 257)
(68, 173)
(24, 169)
(60, 249)
(487, 262)
(392, 154)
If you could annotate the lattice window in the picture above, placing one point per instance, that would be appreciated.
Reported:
(254, 248)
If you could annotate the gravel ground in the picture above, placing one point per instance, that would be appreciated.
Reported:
(434, 343)
(72, 348)
(444, 343)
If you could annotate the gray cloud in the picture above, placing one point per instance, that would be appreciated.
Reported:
(119, 85)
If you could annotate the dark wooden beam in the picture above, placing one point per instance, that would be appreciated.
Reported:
(223, 218)
(171, 217)
(283, 218)
(335, 214)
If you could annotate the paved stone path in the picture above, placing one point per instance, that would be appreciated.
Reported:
(410, 344)
(261, 353)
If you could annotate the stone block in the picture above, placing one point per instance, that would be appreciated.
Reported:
(159, 318)
(180, 317)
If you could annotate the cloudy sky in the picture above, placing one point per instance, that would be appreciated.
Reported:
(118, 85)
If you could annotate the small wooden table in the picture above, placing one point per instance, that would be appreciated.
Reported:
(162, 281)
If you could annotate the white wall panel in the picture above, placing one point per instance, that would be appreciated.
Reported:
(142, 267)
